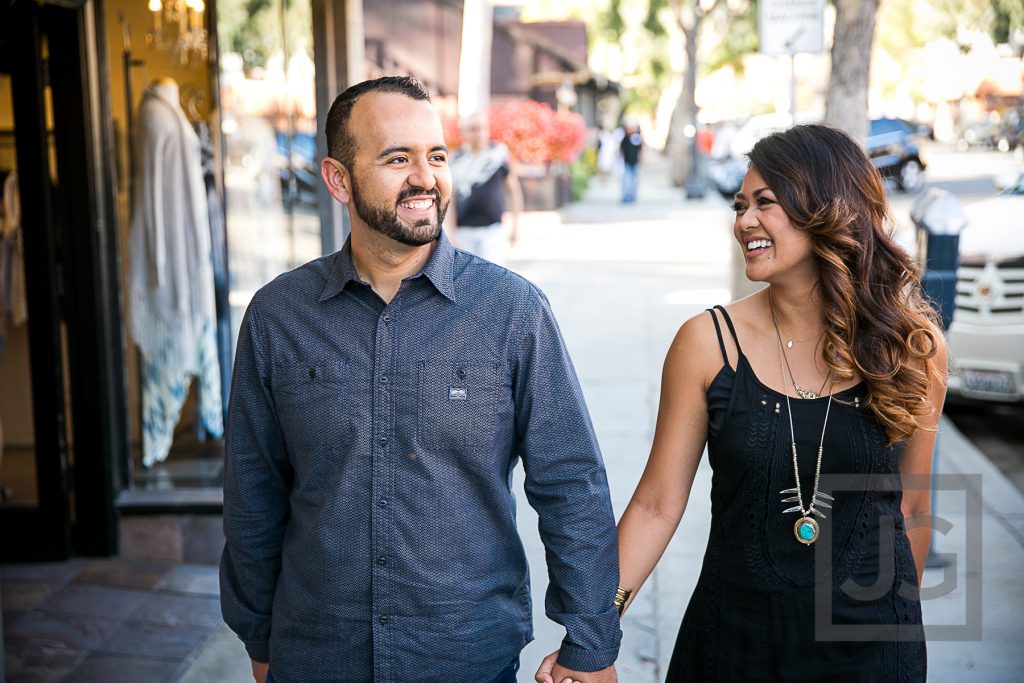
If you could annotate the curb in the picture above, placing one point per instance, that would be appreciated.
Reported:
(1001, 498)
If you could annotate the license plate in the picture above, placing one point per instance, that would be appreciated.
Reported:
(989, 382)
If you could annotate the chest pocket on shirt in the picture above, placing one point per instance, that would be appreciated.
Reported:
(311, 399)
(457, 404)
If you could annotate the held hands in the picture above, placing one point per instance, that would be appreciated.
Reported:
(259, 671)
(550, 671)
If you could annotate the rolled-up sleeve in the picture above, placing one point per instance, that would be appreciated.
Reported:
(257, 479)
(566, 484)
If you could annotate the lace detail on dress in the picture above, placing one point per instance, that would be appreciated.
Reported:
(761, 437)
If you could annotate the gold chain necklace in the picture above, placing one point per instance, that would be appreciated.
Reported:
(778, 326)
(801, 391)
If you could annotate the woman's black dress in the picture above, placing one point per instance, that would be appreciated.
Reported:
(753, 615)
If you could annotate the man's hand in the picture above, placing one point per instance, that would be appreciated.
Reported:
(259, 671)
(550, 671)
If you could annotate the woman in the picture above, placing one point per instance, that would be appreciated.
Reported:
(835, 368)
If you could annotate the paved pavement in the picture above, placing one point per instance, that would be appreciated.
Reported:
(621, 280)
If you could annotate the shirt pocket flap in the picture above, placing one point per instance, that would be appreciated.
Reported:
(457, 403)
(295, 376)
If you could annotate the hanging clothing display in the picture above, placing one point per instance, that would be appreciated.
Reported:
(173, 315)
(13, 304)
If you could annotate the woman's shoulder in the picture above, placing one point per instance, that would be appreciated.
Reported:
(696, 344)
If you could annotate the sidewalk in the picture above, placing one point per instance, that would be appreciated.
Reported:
(621, 280)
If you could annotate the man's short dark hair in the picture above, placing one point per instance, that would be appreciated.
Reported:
(341, 145)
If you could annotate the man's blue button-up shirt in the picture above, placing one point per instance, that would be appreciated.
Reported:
(368, 508)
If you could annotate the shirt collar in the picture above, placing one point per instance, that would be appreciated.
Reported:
(439, 270)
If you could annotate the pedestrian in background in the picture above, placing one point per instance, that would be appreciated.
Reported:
(607, 151)
(488, 198)
(382, 397)
(630, 148)
(838, 367)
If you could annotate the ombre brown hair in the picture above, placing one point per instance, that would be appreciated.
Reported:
(877, 321)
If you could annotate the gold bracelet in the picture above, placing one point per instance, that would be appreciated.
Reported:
(621, 598)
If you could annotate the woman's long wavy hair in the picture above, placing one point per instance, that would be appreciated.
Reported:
(877, 321)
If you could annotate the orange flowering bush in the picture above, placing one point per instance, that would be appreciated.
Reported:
(452, 134)
(532, 131)
(534, 134)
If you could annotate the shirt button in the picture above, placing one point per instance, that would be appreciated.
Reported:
(383, 379)
(383, 441)
(382, 503)
(461, 373)
(312, 373)
(382, 560)
(387, 318)
(384, 619)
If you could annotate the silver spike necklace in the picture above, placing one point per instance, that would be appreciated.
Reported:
(806, 527)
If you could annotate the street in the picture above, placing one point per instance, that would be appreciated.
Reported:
(993, 428)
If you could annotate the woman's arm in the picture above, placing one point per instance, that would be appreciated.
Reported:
(916, 466)
(657, 505)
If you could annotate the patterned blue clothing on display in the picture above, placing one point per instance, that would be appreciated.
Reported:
(218, 255)
(164, 394)
(368, 504)
(755, 613)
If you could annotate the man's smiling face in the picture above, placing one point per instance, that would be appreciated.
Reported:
(400, 182)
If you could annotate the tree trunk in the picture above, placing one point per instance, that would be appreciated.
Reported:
(846, 101)
(685, 112)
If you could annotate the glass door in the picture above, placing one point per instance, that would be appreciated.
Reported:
(63, 353)
(35, 513)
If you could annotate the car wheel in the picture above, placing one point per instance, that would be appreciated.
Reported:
(910, 176)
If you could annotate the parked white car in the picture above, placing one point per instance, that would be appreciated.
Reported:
(986, 339)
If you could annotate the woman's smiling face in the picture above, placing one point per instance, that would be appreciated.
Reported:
(771, 244)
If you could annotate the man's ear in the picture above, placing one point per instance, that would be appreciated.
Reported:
(337, 179)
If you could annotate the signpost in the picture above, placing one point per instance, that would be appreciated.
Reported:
(788, 27)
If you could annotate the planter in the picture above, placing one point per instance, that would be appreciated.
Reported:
(545, 191)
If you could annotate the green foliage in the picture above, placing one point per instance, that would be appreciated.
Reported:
(737, 37)
(949, 15)
(254, 28)
(1009, 16)
(581, 172)
(611, 20)
(900, 29)
(652, 22)
(659, 67)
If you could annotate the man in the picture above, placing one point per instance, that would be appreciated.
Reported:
(485, 186)
(382, 396)
(630, 147)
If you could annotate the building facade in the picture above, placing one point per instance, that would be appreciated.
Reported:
(92, 460)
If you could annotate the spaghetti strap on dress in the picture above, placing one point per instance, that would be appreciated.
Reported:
(753, 616)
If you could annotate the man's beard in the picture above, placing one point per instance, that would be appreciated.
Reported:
(385, 220)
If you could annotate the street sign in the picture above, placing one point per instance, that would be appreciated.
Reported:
(788, 27)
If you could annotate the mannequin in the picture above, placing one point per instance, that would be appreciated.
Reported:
(173, 317)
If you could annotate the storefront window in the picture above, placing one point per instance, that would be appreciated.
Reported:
(245, 89)
(268, 120)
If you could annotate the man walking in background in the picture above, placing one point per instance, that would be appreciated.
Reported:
(382, 397)
(630, 147)
(487, 193)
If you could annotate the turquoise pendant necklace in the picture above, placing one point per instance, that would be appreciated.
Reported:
(805, 528)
